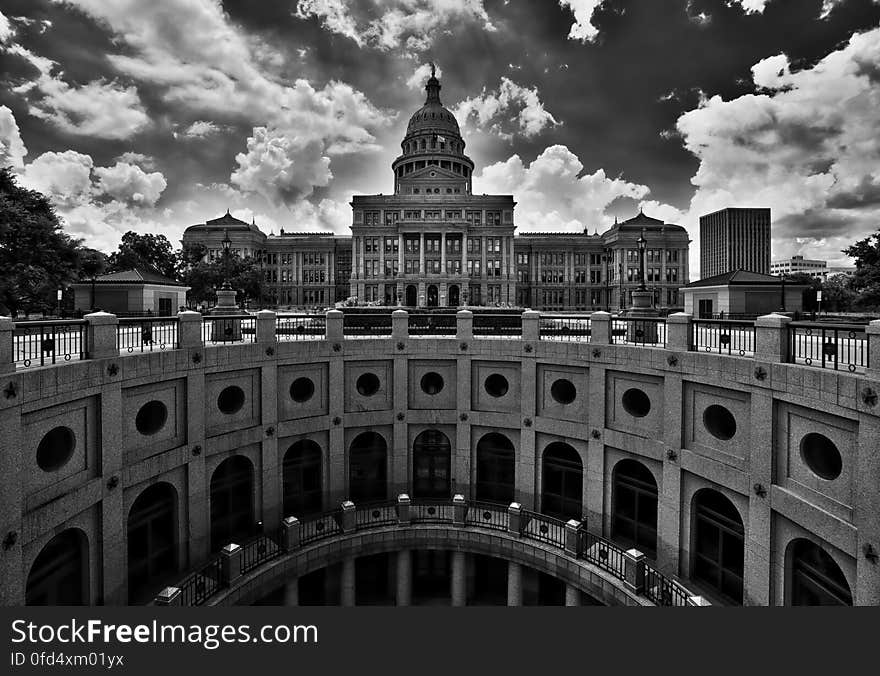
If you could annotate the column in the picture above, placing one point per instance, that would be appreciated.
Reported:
(443, 253)
(291, 592)
(514, 584)
(382, 262)
(400, 253)
(404, 578)
(463, 256)
(422, 254)
(459, 580)
(346, 584)
(505, 272)
(572, 596)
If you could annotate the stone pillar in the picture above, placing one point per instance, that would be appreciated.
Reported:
(464, 274)
(464, 325)
(7, 356)
(230, 564)
(679, 332)
(459, 509)
(422, 254)
(600, 328)
(514, 584)
(404, 578)
(265, 326)
(349, 524)
(443, 253)
(399, 325)
(291, 593)
(634, 566)
(189, 330)
(572, 537)
(400, 254)
(290, 534)
(101, 335)
(334, 329)
(531, 325)
(404, 514)
(347, 590)
(170, 596)
(459, 580)
(873, 332)
(572, 596)
(771, 338)
(514, 518)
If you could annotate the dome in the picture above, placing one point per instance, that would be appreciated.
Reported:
(433, 117)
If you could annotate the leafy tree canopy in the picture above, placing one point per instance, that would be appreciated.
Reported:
(866, 282)
(144, 252)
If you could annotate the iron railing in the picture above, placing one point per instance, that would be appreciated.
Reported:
(357, 325)
(260, 549)
(435, 324)
(602, 553)
(832, 346)
(230, 329)
(321, 526)
(139, 334)
(496, 324)
(374, 516)
(487, 515)
(663, 591)
(646, 331)
(41, 343)
(724, 337)
(431, 511)
(559, 327)
(543, 528)
(300, 327)
(199, 586)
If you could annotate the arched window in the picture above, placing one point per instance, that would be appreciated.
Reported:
(59, 574)
(367, 468)
(301, 479)
(432, 459)
(816, 579)
(562, 482)
(496, 469)
(634, 506)
(232, 502)
(718, 549)
(152, 541)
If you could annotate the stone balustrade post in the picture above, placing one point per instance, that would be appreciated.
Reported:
(873, 336)
(265, 326)
(170, 596)
(680, 332)
(572, 537)
(600, 328)
(771, 338)
(459, 509)
(189, 329)
(101, 335)
(514, 518)
(404, 514)
(399, 325)
(531, 325)
(230, 564)
(349, 525)
(291, 534)
(634, 570)
(464, 325)
(7, 356)
(334, 330)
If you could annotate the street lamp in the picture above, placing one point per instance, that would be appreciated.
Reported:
(226, 244)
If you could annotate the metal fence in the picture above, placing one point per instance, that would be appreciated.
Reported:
(543, 528)
(374, 516)
(663, 591)
(724, 337)
(602, 554)
(832, 346)
(230, 329)
(259, 550)
(300, 327)
(41, 343)
(495, 324)
(433, 324)
(199, 586)
(320, 527)
(487, 515)
(649, 332)
(357, 325)
(559, 327)
(138, 334)
(431, 511)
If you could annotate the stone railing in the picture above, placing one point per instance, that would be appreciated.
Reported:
(628, 567)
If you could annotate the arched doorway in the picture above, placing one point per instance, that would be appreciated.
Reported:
(496, 469)
(454, 296)
(432, 459)
(412, 295)
(562, 482)
(634, 506)
(152, 541)
(232, 502)
(718, 544)
(433, 296)
(816, 579)
(301, 479)
(59, 574)
(367, 468)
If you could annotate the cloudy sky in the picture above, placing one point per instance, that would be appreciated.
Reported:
(152, 116)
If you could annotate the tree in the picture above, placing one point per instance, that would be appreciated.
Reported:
(37, 258)
(866, 281)
(838, 294)
(144, 252)
(203, 278)
(810, 304)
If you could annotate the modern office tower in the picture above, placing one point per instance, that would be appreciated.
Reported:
(735, 239)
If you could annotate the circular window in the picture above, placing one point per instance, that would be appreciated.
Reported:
(496, 385)
(636, 402)
(563, 391)
(720, 422)
(432, 383)
(55, 448)
(230, 400)
(368, 384)
(302, 389)
(821, 456)
(151, 417)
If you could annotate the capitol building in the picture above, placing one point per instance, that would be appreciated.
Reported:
(472, 456)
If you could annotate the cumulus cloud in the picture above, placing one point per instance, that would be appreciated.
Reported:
(201, 129)
(806, 144)
(12, 150)
(553, 192)
(508, 110)
(758, 6)
(128, 182)
(582, 29)
(6, 30)
(391, 24)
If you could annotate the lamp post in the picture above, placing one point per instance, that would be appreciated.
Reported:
(226, 244)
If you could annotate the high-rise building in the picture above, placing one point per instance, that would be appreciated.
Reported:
(735, 239)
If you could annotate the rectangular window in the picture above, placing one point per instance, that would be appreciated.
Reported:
(371, 218)
(493, 218)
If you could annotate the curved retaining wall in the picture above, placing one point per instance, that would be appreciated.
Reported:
(762, 469)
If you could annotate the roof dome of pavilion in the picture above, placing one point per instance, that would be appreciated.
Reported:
(433, 117)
